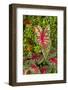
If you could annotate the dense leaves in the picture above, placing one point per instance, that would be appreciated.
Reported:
(39, 44)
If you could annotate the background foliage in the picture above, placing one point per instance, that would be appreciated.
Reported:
(31, 46)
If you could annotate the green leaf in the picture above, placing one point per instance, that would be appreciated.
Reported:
(40, 61)
(52, 55)
(37, 49)
(52, 68)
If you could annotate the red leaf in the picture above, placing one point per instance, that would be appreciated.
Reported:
(35, 68)
(53, 60)
(43, 70)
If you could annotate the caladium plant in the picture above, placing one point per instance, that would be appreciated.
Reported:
(43, 39)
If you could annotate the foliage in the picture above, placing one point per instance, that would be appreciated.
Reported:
(38, 56)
